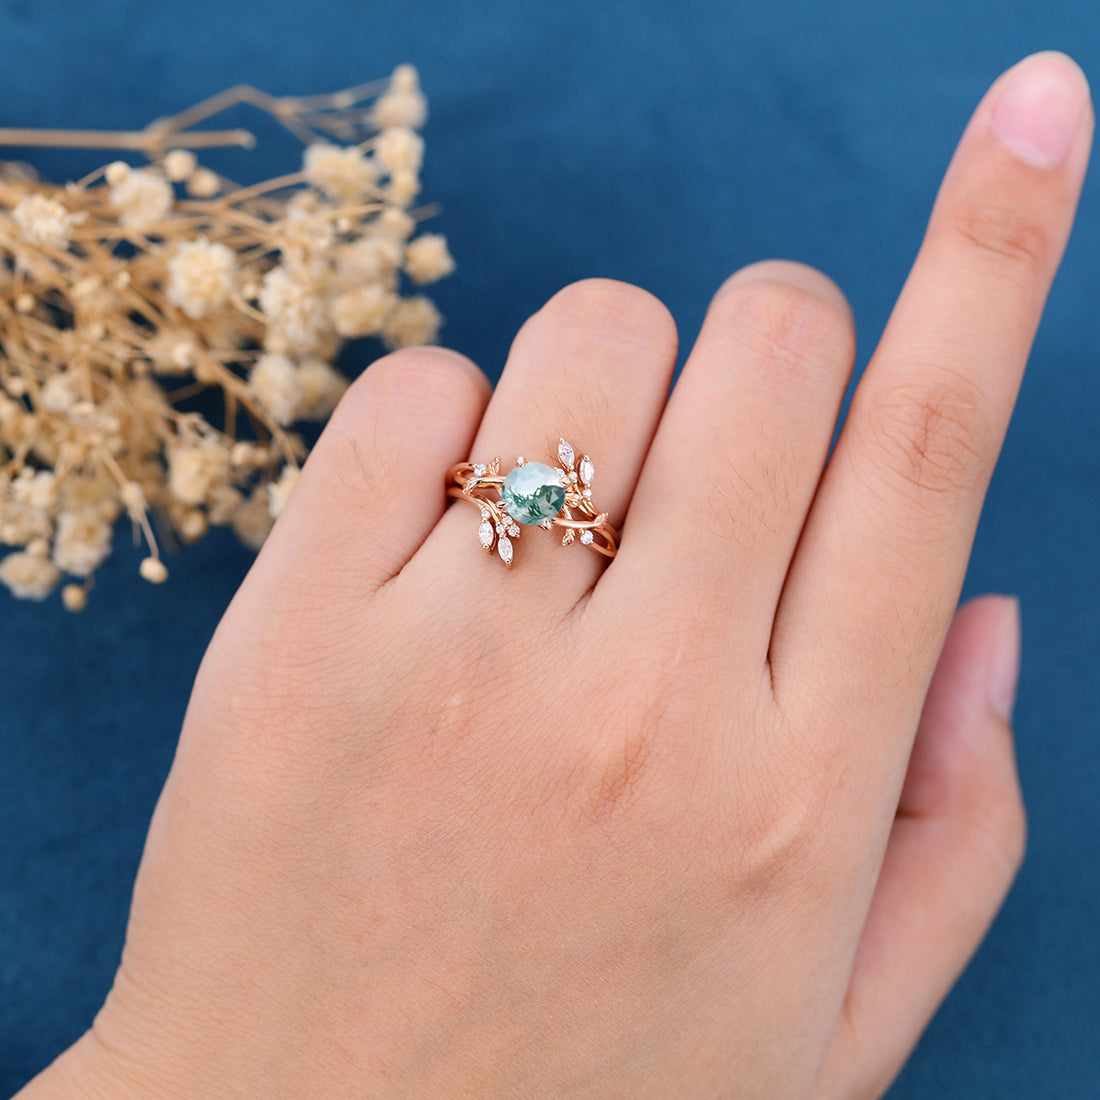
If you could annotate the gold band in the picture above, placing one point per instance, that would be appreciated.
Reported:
(538, 496)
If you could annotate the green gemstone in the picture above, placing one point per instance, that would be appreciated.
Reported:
(533, 493)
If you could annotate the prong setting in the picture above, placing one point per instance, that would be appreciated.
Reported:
(543, 495)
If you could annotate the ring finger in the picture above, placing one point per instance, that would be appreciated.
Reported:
(592, 366)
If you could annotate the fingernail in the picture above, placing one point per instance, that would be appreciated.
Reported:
(1040, 109)
(1004, 666)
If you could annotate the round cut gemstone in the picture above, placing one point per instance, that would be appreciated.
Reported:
(533, 492)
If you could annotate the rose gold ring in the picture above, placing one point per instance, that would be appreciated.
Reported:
(534, 495)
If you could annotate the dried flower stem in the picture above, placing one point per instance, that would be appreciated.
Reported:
(137, 141)
(307, 117)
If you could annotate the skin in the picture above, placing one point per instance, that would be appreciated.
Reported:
(723, 817)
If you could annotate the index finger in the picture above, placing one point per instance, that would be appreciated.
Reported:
(878, 571)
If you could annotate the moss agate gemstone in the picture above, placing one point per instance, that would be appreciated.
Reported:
(533, 492)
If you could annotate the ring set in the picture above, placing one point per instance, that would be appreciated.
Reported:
(534, 494)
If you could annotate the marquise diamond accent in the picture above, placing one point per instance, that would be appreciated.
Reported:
(485, 534)
(565, 454)
(586, 470)
(504, 549)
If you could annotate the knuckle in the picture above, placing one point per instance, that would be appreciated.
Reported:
(778, 322)
(610, 312)
(413, 381)
(801, 785)
(608, 784)
(622, 774)
(368, 435)
(1004, 232)
(929, 436)
(782, 841)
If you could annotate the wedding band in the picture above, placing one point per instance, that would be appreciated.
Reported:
(533, 494)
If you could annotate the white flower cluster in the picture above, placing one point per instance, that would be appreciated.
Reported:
(344, 174)
(44, 221)
(142, 197)
(201, 276)
(116, 287)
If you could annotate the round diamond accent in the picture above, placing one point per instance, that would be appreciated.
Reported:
(532, 493)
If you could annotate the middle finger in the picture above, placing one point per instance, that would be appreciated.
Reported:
(734, 465)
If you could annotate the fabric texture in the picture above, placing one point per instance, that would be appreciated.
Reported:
(663, 144)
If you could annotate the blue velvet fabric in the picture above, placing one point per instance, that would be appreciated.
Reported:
(664, 144)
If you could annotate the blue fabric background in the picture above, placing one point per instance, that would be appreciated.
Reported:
(665, 144)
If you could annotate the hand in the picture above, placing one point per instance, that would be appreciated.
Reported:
(654, 827)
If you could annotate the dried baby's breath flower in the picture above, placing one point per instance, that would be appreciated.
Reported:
(369, 260)
(60, 393)
(427, 258)
(401, 108)
(22, 521)
(172, 351)
(412, 321)
(394, 224)
(153, 570)
(248, 456)
(252, 521)
(293, 307)
(203, 184)
(278, 492)
(191, 523)
(74, 597)
(28, 576)
(43, 221)
(405, 78)
(82, 541)
(361, 312)
(200, 277)
(404, 104)
(35, 488)
(195, 470)
(322, 388)
(180, 164)
(277, 386)
(403, 187)
(125, 293)
(344, 173)
(142, 198)
(400, 149)
(116, 172)
(306, 238)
